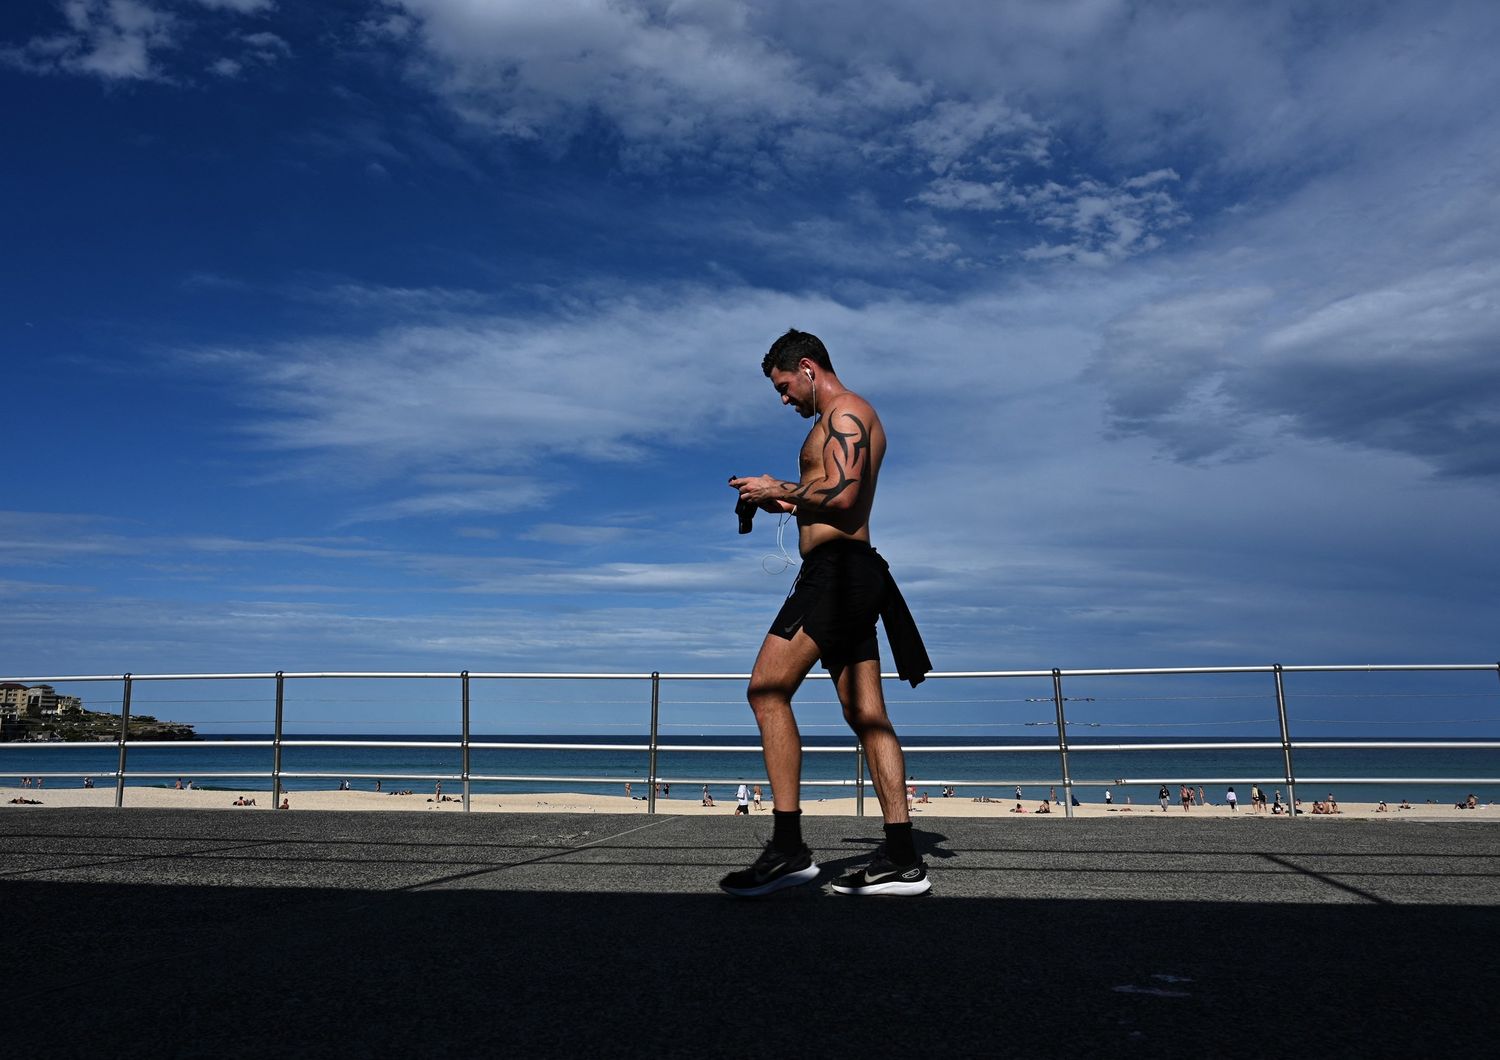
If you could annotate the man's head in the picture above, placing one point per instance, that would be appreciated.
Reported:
(793, 366)
(789, 351)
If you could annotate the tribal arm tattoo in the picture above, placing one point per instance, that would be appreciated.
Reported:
(845, 455)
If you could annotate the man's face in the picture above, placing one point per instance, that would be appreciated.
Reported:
(795, 389)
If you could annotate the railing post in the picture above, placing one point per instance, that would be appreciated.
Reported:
(1062, 740)
(276, 742)
(655, 721)
(124, 735)
(1286, 746)
(859, 779)
(465, 739)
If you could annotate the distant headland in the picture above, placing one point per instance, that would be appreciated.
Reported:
(36, 713)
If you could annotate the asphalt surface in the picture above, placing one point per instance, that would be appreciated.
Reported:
(162, 933)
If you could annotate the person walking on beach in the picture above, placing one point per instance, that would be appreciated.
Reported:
(1164, 796)
(756, 793)
(1231, 799)
(742, 800)
(830, 615)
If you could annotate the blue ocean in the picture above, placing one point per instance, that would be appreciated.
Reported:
(1354, 774)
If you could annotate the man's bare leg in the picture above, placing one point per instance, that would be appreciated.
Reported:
(864, 709)
(899, 870)
(779, 670)
(786, 860)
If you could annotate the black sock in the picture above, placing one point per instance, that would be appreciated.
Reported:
(899, 846)
(786, 830)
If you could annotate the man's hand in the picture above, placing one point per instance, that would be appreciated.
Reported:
(764, 492)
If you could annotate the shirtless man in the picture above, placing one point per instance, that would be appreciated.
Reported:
(830, 615)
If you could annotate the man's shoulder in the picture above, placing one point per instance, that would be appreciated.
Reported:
(850, 399)
(851, 404)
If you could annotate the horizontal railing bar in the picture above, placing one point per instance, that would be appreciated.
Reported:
(756, 749)
(1300, 745)
(451, 744)
(987, 748)
(624, 676)
(96, 744)
(1397, 780)
(366, 776)
(1300, 781)
(1450, 745)
(721, 782)
(137, 744)
(733, 781)
(546, 779)
(161, 776)
(1388, 668)
(478, 745)
(1255, 746)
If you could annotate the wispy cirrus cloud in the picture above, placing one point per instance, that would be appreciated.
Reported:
(463, 496)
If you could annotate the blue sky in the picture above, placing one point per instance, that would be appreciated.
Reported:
(422, 334)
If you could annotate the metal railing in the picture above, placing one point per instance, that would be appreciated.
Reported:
(465, 745)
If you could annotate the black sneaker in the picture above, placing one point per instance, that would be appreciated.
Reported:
(883, 876)
(772, 871)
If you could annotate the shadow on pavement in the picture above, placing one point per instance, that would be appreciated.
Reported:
(152, 971)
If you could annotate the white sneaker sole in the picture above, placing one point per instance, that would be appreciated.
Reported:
(791, 879)
(897, 887)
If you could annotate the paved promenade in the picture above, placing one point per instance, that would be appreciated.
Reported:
(160, 933)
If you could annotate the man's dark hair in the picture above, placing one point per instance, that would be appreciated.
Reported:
(791, 348)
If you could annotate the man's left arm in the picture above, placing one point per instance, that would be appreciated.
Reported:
(833, 486)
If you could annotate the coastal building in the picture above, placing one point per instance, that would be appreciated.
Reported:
(41, 701)
(13, 699)
(36, 701)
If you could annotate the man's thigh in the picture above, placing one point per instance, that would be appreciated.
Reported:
(859, 687)
(782, 664)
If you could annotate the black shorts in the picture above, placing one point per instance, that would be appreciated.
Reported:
(837, 599)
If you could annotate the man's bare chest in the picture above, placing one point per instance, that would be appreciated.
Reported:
(811, 459)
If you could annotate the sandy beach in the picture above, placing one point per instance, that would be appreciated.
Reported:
(568, 802)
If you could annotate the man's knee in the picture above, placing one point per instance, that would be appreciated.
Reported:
(864, 714)
(765, 693)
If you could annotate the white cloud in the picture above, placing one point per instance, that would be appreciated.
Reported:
(128, 40)
(952, 131)
(1100, 224)
(598, 382)
(111, 39)
(463, 496)
(244, 7)
(581, 536)
(956, 193)
(265, 47)
(524, 69)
